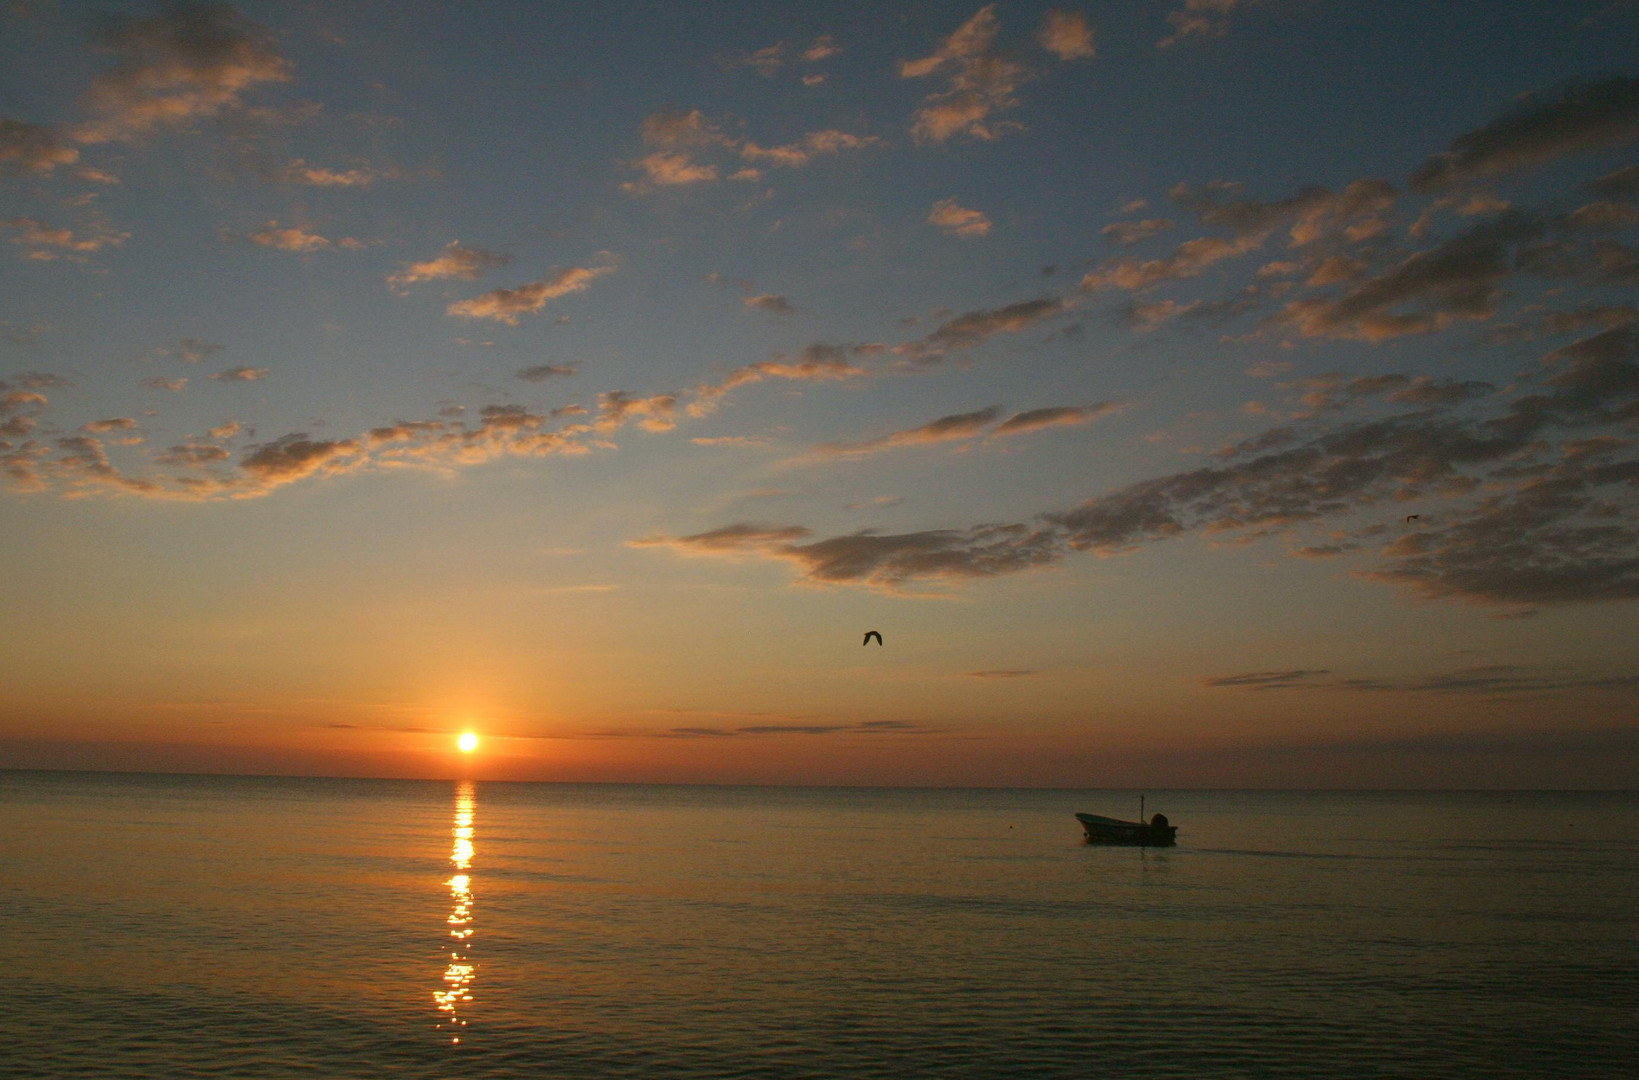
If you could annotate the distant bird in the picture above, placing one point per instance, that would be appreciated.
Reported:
(869, 634)
(1412, 517)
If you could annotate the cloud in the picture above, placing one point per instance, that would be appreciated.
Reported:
(798, 154)
(1313, 213)
(738, 441)
(1066, 35)
(1187, 260)
(869, 727)
(293, 238)
(543, 372)
(190, 350)
(982, 82)
(654, 413)
(1459, 280)
(300, 172)
(678, 136)
(1267, 680)
(193, 455)
(1058, 416)
(31, 149)
(818, 362)
(295, 456)
(171, 385)
(1577, 118)
(1601, 216)
(117, 423)
(1540, 504)
(668, 169)
(1199, 18)
(1621, 184)
(676, 128)
(975, 327)
(1484, 680)
(958, 221)
(458, 260)
(1005, 673)
(48, 243)
(190, 62)
(240, 374)
(1571, 321)
(771, 303)
(505, 305)
(889, 562)
(945, 429)
(823, 48)
(1130, 232)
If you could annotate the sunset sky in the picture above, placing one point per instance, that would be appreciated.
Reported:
(1191, 392)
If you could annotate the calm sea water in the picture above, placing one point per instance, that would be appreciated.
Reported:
(160, 926)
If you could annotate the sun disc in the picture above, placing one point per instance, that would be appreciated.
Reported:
(468, 742)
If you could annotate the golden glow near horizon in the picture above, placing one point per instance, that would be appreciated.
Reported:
(468, 742)
(458, 974)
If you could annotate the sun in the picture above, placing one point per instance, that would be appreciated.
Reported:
(468, 742)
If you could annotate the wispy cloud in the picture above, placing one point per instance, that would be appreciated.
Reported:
(945, 429)
(506, 305)
(982, 83)
(457, 260)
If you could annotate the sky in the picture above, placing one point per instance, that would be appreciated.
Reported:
(1227, 393)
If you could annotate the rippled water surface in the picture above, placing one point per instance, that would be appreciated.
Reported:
(205, 926)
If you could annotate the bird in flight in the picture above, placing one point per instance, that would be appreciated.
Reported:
(869, 634)
(1412, 517)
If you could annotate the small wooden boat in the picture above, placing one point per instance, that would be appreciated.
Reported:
(1109, 830)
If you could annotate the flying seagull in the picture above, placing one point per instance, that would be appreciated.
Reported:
(869, 634)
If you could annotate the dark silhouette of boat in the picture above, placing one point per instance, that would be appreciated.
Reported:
(1108, 830)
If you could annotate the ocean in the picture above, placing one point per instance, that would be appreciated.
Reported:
(191, 926)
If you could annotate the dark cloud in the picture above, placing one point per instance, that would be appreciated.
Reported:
(1057, 416)
(1313, 213)
(944, 429)
(1199, 18)
(191, 61)
(883, 561)
(1574, 119)
(295, 456)
(975, 327)
(1131, 232)
(1268, 680)
(1459, 280)
(1189, 259)
(1532, 521)
(1621, 184)
(31, 149)
(772, 303)
(543, 372)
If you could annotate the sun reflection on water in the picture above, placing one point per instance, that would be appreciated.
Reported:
(455, 998)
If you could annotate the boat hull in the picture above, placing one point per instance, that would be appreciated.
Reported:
(1103, 830)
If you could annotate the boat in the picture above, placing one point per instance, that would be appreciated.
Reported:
(1108, 830)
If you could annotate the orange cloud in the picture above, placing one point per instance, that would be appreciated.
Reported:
(505, 305)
